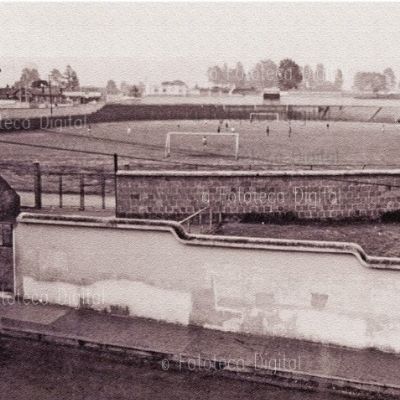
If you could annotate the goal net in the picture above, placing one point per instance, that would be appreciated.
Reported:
(204, 139)
(264, 116)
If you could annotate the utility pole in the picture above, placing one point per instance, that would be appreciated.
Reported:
(51, 98)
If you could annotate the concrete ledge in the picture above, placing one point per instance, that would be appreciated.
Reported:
(233, 173)
(264, 375)
(388, 263)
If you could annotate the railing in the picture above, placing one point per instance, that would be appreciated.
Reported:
(64, 186)
(204, 219)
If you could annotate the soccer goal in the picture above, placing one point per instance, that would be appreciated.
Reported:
(264, 116)
(204, 135)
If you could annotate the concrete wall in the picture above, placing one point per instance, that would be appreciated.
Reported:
(9, 201)
(264, 194)
(327, 292)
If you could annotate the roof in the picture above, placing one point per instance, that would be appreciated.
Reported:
(174, 83)
(7, 92)
(54, 91)
(271, 90)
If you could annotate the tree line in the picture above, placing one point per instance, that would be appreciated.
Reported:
(267, 74)
(67, 81)
(375, 81)
(127, 89)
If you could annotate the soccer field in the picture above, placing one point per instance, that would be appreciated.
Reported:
(141, 144)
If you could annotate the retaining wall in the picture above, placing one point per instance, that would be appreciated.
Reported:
(321, 291)
(336, 195)
(121, 112)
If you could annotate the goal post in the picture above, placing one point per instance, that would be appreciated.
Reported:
(264, 116)
(235, 135)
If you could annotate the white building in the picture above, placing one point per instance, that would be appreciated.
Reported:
(173, 88)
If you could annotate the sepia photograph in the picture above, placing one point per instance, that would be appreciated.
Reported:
(199, 200)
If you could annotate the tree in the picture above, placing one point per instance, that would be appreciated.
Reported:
(240, 74)
(125, 88)
(289, 75)
(215, 75)
(57, 78)
(264, 74)
(71, 79)
(225, 74)
(111, 87)
(28, 76)
(369, 81)
(358, 81)
(134, 91)
(308, 77)
(320, 75)
(338, 79)
(74, 81)
(236, 76)
(378, 82)
(390, 78)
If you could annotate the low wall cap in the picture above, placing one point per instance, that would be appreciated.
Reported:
(261, 173)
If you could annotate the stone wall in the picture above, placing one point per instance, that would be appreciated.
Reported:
(347, 194)
(9, 201)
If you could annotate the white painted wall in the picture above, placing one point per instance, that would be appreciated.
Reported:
(158, 276)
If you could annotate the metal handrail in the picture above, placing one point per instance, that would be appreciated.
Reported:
(193, 215)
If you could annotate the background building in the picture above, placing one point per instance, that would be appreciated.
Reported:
(168, 88)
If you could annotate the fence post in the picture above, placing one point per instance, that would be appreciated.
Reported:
(37, 185)
(103, 191)
(115, 181)
(237, 147)
(211, 218)
(60, 190)
(82, 192)
(115, 162)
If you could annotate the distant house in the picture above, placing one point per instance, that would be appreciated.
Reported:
(7, 97)
(44, 95)
(168, 88)
(32, 95)
(7, 93)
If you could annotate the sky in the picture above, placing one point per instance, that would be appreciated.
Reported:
(153, 42)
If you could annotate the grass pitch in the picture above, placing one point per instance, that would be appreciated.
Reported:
(141, 144)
